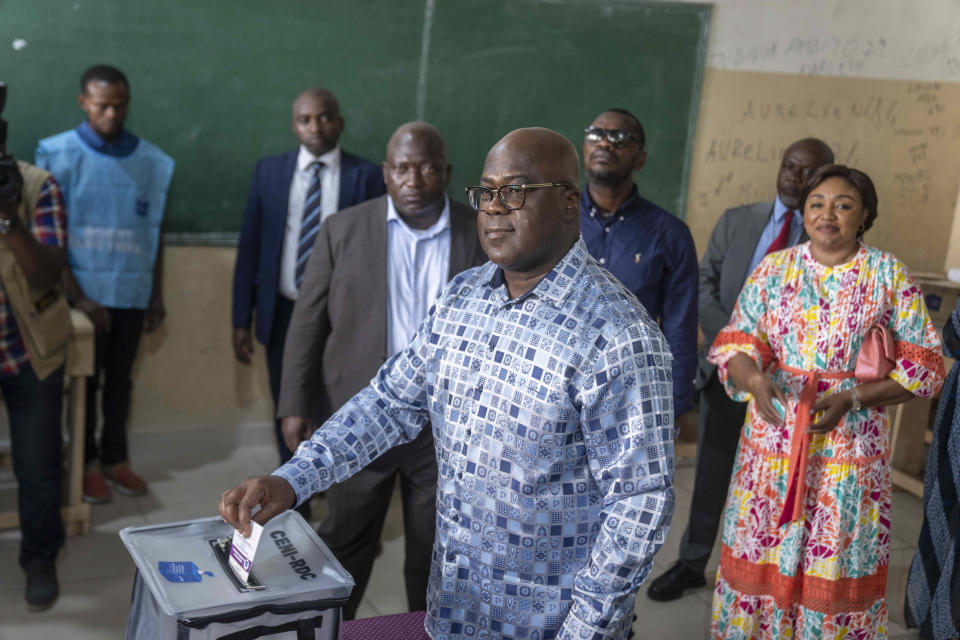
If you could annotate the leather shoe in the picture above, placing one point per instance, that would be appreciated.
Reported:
(674, 582)
(95, 487)
(124, 480)
(42, 587)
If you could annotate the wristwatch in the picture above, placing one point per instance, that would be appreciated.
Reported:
(7, 225)
(855, 404)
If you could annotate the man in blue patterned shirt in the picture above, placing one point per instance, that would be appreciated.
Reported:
(549, 391)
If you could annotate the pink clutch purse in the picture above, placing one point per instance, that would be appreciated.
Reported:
(877, 355)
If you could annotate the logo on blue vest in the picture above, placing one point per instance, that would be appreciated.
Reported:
(143, 207)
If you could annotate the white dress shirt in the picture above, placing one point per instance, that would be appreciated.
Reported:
(418, 264)
(329, 197)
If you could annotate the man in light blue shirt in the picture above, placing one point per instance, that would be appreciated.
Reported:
(775, 229)
(549, 392)
(373, 274)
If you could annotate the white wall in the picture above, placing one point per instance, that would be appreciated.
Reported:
(912, 40)
(890, 39)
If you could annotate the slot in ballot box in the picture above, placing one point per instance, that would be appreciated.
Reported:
(185, 590)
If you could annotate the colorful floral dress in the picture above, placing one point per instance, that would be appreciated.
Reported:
(824, 574)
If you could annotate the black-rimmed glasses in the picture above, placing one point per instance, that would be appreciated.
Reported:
(511, 196)
(616, 137)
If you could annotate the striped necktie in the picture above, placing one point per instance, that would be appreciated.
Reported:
(310, 223)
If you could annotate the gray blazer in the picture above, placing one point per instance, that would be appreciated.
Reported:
(723, 270)
(337, 338)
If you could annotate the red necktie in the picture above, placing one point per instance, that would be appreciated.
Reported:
(780, 242)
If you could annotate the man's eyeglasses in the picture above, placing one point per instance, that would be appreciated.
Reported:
(616, 137)
(511, 196)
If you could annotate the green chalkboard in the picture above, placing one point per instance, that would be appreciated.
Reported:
(212, 81)
(519, 63)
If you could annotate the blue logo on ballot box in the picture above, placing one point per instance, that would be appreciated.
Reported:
(182, 571)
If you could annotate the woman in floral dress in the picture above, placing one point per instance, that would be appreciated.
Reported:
(806, 528)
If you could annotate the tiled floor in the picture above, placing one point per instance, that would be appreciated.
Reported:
(188, 470)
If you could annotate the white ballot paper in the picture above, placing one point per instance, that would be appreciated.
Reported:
(242, 551)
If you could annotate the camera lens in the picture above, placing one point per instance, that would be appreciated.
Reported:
(11, 182)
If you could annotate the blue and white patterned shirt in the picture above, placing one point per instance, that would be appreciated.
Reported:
(553, 421)
(652, 253)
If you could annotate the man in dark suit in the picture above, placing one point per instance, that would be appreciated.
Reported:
(740, 240)
(373, 275)
(290, 195)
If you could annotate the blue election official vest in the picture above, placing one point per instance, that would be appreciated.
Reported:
(114, 210)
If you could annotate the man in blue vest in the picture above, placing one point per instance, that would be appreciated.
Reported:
(115, 187)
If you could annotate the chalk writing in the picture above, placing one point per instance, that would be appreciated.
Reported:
(930, 53)
(923, 87)
(843, 153)
(841, 56)
(939, 131)
(875, 110)
(834, 47)
(749, 193)
(918, 153)
(912, 188)
(833, 55)
(756, 150)
(701, 199)
(724, 180)
(740, 55)
(730, 192)
(931, 102)
(900, 134)
(825, 66)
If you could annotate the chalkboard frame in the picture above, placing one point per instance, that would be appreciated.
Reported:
(209, 48)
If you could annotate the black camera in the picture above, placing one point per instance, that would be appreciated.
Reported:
(11, 182)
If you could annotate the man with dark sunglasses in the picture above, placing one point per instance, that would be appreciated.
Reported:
(649, 250)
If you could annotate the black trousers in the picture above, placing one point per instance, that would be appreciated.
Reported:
(358, 508)
(35, 409)
(718, 434)
(278, 335)
(116, 351)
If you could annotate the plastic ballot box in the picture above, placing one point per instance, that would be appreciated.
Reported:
(184, 588)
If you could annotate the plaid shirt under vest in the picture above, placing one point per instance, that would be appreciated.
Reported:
(48, 224)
